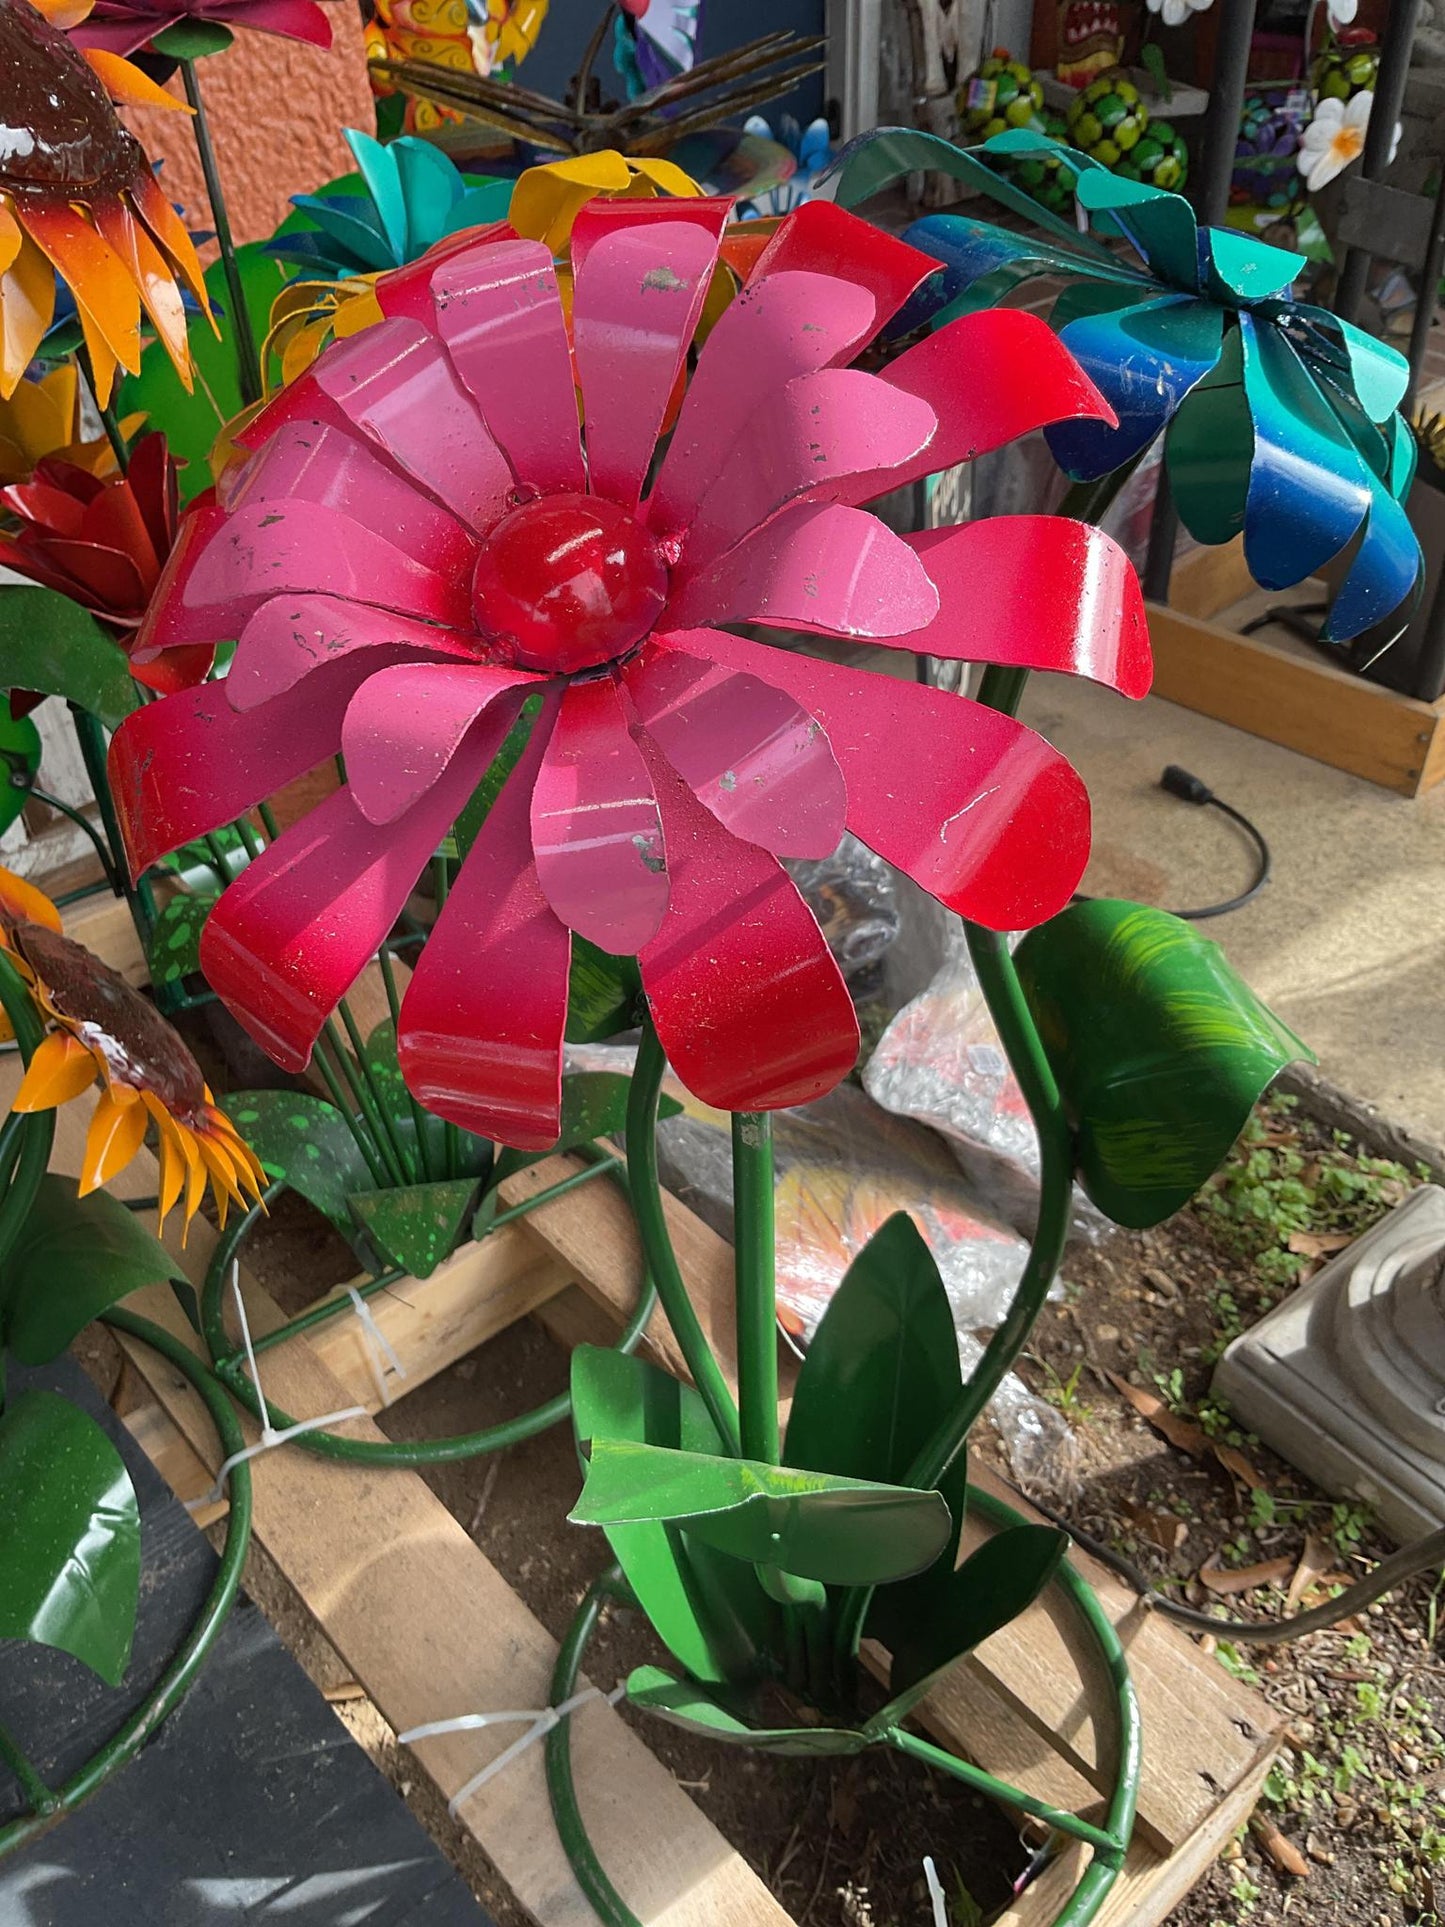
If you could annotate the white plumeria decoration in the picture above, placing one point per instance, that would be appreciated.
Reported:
(1176, 12)
(1335, 137)
(1342, 12)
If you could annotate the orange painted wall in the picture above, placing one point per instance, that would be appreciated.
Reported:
(276, 108)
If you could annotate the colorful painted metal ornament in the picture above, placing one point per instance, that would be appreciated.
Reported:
(1280, 419)
(78, 200)
(104, 1030)
(1108, 119)
(1003, 93)
(1334, 138)
(424, 552)
(42, 418)
(129, 26)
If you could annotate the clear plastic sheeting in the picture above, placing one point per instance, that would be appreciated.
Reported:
(1041, 1448)
(854, 896)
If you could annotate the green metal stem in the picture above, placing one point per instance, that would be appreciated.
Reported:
(557, 1190)
(409, 1167)
(756, 1285)
(37, 1132)
(996, 1789)
(418, 1116)
(119, 447)
(179, 1675)
(451, 1137)
(90, 736)
(657, 1244)
(354, 1124)
(41, 1799)
(82, 822)
(248, 361)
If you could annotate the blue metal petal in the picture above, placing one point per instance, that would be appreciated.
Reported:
(351, 224)
(1386, 568)
(980, 263)
(378, 167)
(1309, 487)
(1144, 360)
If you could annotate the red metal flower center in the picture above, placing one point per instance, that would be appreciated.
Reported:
(568, 582)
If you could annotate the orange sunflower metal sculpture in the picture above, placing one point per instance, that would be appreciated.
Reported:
(78, 199)
(104, 1029)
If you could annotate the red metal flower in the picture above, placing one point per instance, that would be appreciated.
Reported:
(127, 26)
(103, 541)
(423, 540)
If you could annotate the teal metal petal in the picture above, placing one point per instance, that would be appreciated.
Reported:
(1238, 267)
(1377, 373)
(1404, 457)
(378, 167)
(1210, 449)
(1144, 361)
(432, 187)
(351, 224)
(480, 205)
(1309, 487)
(1160, 226)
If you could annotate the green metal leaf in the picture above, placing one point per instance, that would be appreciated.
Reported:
(708, 1609)
(416, 1226)
(594, 1105)
(604, 994)
(175, 945)
(69, 1535)
(308, 1143)
(883, 1369)
(49, 643)
(474, 1154)
(192, 39)
(73, 1258)
(20, 755)
(682, 1704)
(1209, 447)
(844, 1532)
(894, 1609)
(1001, 1580)
(1160, 1050)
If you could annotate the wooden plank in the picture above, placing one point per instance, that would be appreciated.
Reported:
(1302, 704)
(1208, 580)
(104, 924)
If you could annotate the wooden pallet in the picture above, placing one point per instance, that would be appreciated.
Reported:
(430, 1628)
(1287, 695)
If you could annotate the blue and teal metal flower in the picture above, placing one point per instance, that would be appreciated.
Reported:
(1280, 419)
(413, 198)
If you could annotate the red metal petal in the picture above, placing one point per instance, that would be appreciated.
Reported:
(480, 1038)
(109, 580)
(500, 314)
(404, 726)
(407, 291)
(396, 382)
(175, 669)
(748, 1002)
(603, 216)
(47, 506)
(152, 479)
(787, 325)
(1035, 592)
(747, 751)
(832, 571)
(979, 810)
(596, 834)
(992, 377)
(824, 238)
(295, 930)
(114, 521)
(638, 296)
(835, 434)
(311, 461)
(290, 637)
(181, 767)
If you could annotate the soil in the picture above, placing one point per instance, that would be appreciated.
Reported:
(1359, 1797)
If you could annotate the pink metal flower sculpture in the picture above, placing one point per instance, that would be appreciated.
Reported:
(423, 539)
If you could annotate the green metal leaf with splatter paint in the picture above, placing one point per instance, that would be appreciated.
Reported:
(175, 945)
(307, 1143)
(1159, 1049)
(416, 1226)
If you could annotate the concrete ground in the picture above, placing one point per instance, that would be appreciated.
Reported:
(1346, 943)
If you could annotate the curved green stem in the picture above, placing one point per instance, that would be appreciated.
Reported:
(756, 1285)
(662, 1262)
(38, 1131)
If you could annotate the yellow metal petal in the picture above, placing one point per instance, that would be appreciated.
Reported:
(64, 14)
(21, 902)
(61, 1069)
(27, 305)
(160, 295)
(662, 177)
(116, 1133)
(173, 1163)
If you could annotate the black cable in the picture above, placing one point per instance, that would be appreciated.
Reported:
(1189, 789)
(1422, 1555)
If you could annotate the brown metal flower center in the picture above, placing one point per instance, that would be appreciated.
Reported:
(58, 129)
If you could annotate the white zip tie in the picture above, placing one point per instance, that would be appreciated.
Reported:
(270, 1436)
(935, 1892)
(539, 1724)
(380, 1352)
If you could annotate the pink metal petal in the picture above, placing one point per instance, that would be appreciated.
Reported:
(189, 763)
(311, 461)
(405, 725)
(407, 291)
(290, 637)
(295, 930)
(1035, 592)
(595, 828)
(776, 329)
(500, 314)
(835, 434)
(832, 571)
(397, 383)
(979, 810)
(602, 217)
(747, 751)
(992, 377)
(748, 1002)
(822, 238)
(480, 1038)
(638, 297)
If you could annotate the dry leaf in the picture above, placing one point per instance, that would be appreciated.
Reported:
(1283, 1852)
(1181, 1432)
(1245, 1578)
(1236, 1463)
(1319, 1244)
(1163, 1529)
(1313, 1562)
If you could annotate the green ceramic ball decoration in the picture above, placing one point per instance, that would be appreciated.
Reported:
(1002, 94)
(1343, 71)
(1109, 119)
(1045, 178)
(1159, 158)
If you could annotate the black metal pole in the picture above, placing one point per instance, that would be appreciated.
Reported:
(1393, 72)
(1426, 297)
(1211, 202)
